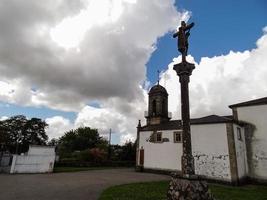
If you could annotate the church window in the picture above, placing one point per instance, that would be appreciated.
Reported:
(154, 107)
(159, 137)
(239, 135)
(163, 107)
(177, 136)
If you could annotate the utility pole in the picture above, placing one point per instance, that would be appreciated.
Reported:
(109, 144)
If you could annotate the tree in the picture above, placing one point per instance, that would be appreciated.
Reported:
(19, 132)
(78, 140)
(53, 142)
(128, 151)
(124, 152)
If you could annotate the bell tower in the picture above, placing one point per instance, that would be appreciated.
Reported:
(157, 105)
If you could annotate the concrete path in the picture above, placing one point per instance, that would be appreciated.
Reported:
(68, 186)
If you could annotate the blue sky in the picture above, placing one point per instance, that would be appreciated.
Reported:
(220, 27)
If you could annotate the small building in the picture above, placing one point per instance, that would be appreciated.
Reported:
(39, 159)
(225, 148)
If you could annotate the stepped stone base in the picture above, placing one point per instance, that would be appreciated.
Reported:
(188, 188)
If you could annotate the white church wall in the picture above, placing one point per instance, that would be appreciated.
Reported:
(257, 146)
(240, 146)
(37, 160)
(165, 156)
(210, 151)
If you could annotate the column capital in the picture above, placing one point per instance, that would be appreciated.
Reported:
(184, 68)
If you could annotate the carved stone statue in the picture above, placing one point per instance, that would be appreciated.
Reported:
(182, 42)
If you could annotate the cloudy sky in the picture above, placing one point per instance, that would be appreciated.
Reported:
(91, 62)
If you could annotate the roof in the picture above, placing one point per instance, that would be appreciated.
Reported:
(169, 125)
(212, 119)
(254, 102)
(157, 89)
(176, 124)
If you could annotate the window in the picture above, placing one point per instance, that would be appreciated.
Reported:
(154, 107)
(239, 135)
(163, 107)
(177, 136)
(158, 137)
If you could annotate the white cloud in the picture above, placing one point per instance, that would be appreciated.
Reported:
(3, 118)
(109, 57)
(105, 118)
(58, 125)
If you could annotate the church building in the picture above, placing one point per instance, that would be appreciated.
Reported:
(228, 149)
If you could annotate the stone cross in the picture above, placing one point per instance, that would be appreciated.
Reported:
(183, 34)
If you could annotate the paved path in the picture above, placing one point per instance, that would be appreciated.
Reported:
(68, 186)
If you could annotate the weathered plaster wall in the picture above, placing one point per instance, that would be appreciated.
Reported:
(257, 142)
(166, 155)
(209, 147)
(41, 150)
(210, 150)
(241, 154)
(38, 160)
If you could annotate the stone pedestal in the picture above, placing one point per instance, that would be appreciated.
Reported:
(188, 188)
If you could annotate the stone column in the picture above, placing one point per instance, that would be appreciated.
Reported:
(184, 70)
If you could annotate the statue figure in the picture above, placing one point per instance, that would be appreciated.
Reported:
(182, 43)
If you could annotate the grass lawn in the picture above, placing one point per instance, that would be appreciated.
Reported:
(78, 169)
(157, 190)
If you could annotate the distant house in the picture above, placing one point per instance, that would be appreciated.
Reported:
(225, 148)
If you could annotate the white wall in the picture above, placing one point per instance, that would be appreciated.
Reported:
(257, 150)
(38, 160)
(166, 155)
(210, 150)
(41, 150)
(241, 154)
(209, 147)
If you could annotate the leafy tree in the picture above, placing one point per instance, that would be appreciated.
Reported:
(128, 151)
(78, 140)
(124, 152)
(95, 155)
(19, 132)
(53, 142)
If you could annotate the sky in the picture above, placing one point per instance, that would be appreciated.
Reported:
(91, 62)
